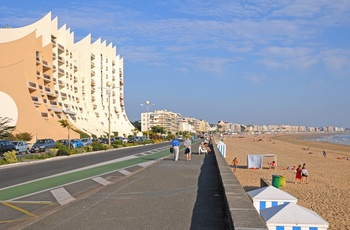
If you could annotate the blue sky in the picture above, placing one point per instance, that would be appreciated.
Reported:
(248, 62)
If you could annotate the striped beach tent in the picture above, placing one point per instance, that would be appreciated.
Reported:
(270, 196)
(222, 148)
(292, 217)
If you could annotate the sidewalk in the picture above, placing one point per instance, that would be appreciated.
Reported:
(166, 195)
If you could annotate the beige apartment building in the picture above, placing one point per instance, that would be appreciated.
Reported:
(170, 121)
(45, 76)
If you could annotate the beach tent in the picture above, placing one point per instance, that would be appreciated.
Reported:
(292, 217)
(256, 160)
(270, 196)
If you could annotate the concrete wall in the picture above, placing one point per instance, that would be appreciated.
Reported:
(240, 209)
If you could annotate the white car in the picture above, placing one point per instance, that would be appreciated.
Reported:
(21, 147)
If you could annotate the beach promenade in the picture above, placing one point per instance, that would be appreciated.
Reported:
(194, 194)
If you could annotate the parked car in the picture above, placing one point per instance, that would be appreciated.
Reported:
(122, 139)
(86, 141)
(6, 146)
(76, 143)
(103, 140)
(21, 146)
(42, 145)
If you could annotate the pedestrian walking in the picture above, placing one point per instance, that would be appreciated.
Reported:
(298, 176)
(234, 164)
(304, 174)
(175, 144)
(188, 150)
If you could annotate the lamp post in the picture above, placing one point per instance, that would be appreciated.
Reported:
(110, 86)
(147, 104)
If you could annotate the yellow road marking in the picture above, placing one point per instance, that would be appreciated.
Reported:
(9, 204)
(19, 209)
(28, 202)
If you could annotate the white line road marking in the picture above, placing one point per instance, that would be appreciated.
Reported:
(62, 196)
(145, 164)
(102, 181)
(125, 172)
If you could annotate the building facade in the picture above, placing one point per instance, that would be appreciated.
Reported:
(170, 121)
(46, 76)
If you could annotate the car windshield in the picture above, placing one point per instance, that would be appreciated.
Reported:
(15, 142)
(40, 141)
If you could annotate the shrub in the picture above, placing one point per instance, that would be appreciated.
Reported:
(98, 146)
(10, 157)
(62, 150)
(88, 148)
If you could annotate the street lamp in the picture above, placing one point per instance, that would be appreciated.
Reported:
(110, 86)
(147, 104)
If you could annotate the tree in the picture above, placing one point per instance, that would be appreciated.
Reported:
(5, 128)
(24, 136)
(135, 131)
(158, 129)
(65, 124)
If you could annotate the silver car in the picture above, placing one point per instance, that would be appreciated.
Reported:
(21, 147)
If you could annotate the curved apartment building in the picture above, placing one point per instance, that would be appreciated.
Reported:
(45, 76)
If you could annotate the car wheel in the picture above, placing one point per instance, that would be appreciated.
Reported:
(18, 152)
(28, 151)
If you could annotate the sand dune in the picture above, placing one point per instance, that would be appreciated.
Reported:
(328, 190)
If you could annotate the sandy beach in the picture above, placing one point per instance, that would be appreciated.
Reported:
(328, 190)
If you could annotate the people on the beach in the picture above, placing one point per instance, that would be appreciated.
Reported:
(272, 164)
(188, 152)
(324, 153)
(304, 174)
(175, 144)
(234, 164)
(298, 176)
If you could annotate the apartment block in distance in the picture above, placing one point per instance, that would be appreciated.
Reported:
(45, 77)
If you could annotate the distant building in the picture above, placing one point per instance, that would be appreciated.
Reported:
(170, 121)
(46, 76)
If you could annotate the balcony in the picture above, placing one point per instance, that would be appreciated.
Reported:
(46, 65)
(75, 89)
(92, 65)
(50, 92)
(37, 58)
(63, 95)
(47, 78)
(38, 74)
(60, 48)
(60, 60)
(92, 82)
(121, 82)
(97, 114)
(32, 86)
(54, 56)
(54, 68)
(36, 100)
(93, 98)
(60, 71)
(53, 103)
(45, 115)
(92, 56)
(92, 73)
(75, 68)
(113, 63)
(61, 83)
(94, 106)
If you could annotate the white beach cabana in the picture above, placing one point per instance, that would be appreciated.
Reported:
(292, 217)
(256, 160)
(270, 196)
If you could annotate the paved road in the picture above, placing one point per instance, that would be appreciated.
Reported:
(164, 195)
